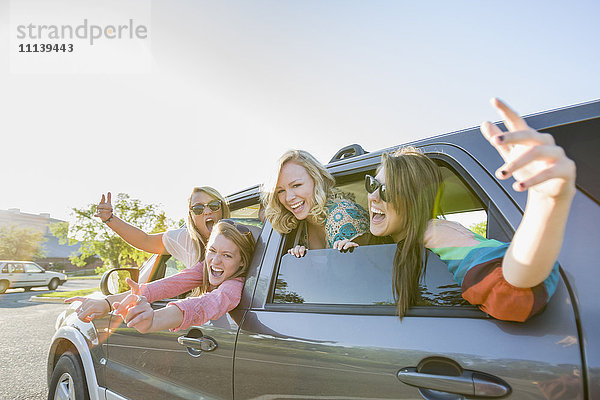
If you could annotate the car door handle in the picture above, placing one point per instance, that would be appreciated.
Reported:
(469, 383)
(204, 343)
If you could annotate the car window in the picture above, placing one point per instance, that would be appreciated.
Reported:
(31, 268)
(360, 278)
(365, 277)
(17, 268)
(249, 215)
(173, 266)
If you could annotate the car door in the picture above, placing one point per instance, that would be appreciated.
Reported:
(159, 365)
(17, 275)
(189, 364)
(325, 326)
(35, 275)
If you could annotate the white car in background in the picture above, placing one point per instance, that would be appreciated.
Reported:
(27, 274)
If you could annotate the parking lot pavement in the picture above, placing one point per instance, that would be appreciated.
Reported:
(26, 329)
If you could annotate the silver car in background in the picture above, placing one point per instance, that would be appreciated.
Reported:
(27, 274)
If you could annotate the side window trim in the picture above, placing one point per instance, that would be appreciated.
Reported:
(466, 311)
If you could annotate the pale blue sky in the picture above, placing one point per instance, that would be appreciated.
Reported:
(228, 86)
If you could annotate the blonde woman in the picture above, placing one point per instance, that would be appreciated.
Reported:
(510, 281)
(206, 207)
(302, 196)
(220, 277)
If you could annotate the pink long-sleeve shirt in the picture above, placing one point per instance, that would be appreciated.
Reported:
(196, 310)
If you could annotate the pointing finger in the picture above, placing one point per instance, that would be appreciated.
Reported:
(108, 198)
(512, 120)
(491, 132)
(76, 298)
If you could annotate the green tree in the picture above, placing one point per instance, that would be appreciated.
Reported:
(480, 228)
(97, 239)
(24, 244)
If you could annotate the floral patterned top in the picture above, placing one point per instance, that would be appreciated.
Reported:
(345, 220)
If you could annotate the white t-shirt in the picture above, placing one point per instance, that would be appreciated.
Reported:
(179, 244)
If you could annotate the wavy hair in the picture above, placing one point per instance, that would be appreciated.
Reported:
(197, 239)
(414, 189)
(282, 220)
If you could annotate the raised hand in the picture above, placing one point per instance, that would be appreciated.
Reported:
(90, 308)
(104, 209)
(531, 157)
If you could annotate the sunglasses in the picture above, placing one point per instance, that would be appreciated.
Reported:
(198, 209)
(372, 184)
(240, 228)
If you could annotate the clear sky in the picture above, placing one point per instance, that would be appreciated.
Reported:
(218, 90)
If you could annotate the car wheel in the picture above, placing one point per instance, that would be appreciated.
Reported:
(3, 286)
(53, 284)
(68, 381)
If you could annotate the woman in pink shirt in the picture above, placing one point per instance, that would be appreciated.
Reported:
(220, 278)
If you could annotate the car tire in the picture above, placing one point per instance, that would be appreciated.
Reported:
(3, 286)
(68, 379)
(53, 284)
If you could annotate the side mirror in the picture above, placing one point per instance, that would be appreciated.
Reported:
(113, 281)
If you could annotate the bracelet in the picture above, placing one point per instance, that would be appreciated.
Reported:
(109, 218)
(109, 305)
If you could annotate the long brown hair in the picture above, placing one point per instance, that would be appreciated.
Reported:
(413, 188)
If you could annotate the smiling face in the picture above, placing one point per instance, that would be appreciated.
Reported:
(208, 218)
(385, 220)
(295, 189)
(223, 259)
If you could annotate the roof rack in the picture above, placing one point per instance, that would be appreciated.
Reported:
(349, 151)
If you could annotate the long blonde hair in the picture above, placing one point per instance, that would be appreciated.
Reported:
(413, 188)
(282, 220)
(197, 239)
(244, 242)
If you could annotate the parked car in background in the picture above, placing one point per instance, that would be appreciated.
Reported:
(27, 274)
(325, 327)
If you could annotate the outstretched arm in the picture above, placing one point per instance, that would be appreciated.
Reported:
(131, 234)
(542, 168)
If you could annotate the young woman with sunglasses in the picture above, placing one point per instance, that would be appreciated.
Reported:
(510, 281)
(206, 208)
(302, 196)
(220, 278)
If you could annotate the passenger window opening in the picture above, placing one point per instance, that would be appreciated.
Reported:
(364, 278)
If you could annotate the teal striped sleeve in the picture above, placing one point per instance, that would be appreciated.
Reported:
(478, 270)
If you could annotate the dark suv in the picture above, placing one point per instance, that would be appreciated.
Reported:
(324, 326)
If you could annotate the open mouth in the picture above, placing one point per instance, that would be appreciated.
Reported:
(216, 272)
(209, 224)
(297, 206)
(377, 215)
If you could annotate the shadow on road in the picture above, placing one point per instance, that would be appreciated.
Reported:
(19, 298)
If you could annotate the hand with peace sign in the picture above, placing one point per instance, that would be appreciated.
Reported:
(543, 169)
(532, 158)
(104, 209)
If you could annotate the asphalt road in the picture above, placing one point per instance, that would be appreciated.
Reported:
(26, 329)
